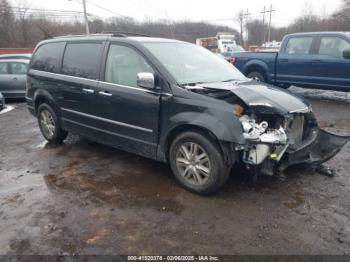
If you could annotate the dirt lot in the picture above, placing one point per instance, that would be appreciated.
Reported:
(85, 198)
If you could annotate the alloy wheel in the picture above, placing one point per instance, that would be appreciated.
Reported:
(193, 163)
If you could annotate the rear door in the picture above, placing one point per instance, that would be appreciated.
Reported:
(5, 79)
(333, 69)
(295, 61)
(129, 114)
(78, 85)
(18, 71)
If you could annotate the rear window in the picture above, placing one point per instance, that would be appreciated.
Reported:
(3, 69)
(82, 60)
(18, 68)
(48, 57)
(299, 46)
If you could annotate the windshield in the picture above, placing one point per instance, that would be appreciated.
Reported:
(189, 63)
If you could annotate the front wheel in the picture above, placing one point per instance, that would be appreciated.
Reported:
(49, 124)
(198, 163)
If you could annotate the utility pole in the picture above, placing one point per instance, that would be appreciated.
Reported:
(246, 15)
(86, 18)
(241, 20)
(87, 29)
(263, 29)
(270, 11)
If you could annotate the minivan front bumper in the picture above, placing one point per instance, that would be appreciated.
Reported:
(320, 147)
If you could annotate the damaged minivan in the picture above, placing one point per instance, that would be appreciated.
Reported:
(174, 102)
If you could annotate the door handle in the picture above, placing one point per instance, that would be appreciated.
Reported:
(284, 60)
(104, 93)
(88, 90)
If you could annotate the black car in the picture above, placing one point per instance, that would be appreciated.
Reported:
(174, 102)
(2, 101)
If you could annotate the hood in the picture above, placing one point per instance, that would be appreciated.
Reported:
(254, 93)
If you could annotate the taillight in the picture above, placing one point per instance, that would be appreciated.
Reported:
(232, 60)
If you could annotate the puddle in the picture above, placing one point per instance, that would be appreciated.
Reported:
(296, 200)
(124, 185)
(7, 109)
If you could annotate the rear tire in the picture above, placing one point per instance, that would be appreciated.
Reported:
(197, 163)
(49, 125)
(257, 76)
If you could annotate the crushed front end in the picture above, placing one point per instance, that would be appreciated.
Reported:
(279, 128)
(275, 141)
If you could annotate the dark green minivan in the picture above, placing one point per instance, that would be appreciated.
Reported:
(174, 102)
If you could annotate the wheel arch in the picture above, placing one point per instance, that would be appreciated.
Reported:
(43, 96)
(224, 147)
(256, 66)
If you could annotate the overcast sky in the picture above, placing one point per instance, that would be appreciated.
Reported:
(194, 10)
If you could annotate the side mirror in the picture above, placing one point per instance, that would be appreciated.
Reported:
(145, 80)
(346, 54)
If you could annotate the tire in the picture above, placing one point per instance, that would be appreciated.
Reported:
(257, 76)
(49, 124)
(195, 179)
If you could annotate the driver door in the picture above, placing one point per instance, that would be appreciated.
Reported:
(128, 114)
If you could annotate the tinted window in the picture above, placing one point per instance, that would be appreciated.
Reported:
(333, 46)
(299, 46)
(3, 69)
(82, 60)
(123, 65)
(48, 56)
(18, 68)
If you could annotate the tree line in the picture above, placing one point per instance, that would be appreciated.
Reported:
(307, 22)
(21, 28)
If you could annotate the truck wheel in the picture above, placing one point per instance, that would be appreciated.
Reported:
(49, 125)
(257, 76)
(198, 163)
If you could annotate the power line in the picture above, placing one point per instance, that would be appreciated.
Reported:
(38, 9)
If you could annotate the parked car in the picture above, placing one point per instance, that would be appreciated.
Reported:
(174, 102)
(316, 60)
(229, 55)
(13, 77)
(16, 56)
(2, 101)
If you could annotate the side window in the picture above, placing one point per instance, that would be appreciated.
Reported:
(3, 69)
(48, 57)
(333, 46)
(123, 64)
(18, 68)
(82, 60)
(299, 46)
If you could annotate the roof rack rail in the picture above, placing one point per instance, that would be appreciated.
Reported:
(79, 35)
(104, 33)
(123, 34)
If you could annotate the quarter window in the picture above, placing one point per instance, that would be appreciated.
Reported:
(18, 68)
(123, 64)
(299, 46)
(48, 57)
(333, 46)
(82, 60)
(3, 69)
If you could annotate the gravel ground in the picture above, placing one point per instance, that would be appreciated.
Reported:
(85, 198)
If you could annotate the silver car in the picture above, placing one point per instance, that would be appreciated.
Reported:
(13, 77)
